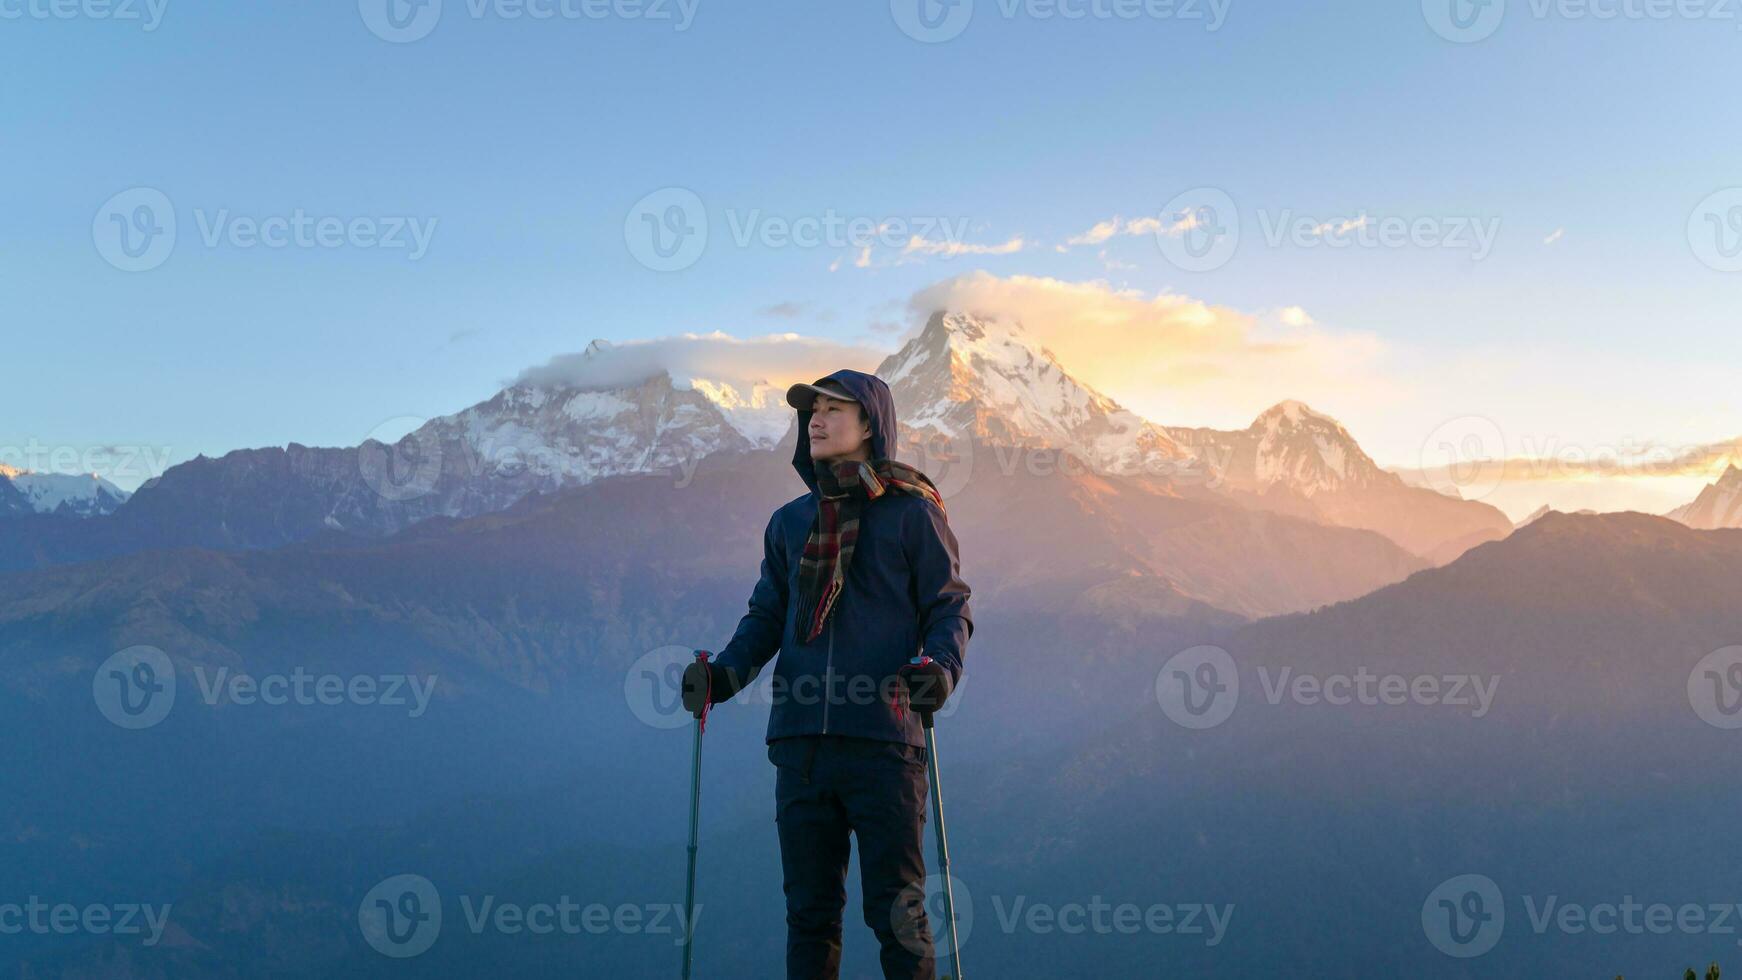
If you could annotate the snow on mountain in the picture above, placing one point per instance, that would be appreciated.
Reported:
(1718, 505)
(966, 376)
(536, 435)
(70, 494)
(760, 414)
(1295, 460)
(612, 411)
(1290, 445)
(555, 436)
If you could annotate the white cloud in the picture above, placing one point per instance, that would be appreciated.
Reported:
(1112, 264)
(950, 249)
(1555, 237)
(1096, 235)
(1340, 227)
(1176, 359)
(777, 359)
(1117, 226)
(1180, 361)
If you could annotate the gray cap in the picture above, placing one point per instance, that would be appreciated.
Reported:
(801, 396)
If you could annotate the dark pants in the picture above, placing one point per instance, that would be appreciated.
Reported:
(827, 786)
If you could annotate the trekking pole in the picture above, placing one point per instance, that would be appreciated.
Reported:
(689, 897)
(937, 809)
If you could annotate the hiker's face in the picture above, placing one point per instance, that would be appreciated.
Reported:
(836, 431)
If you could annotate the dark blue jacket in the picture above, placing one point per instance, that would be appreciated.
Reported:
(904, 596)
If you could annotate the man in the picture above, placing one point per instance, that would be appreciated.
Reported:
(858, 576)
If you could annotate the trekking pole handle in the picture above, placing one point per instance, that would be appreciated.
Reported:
(921, 661)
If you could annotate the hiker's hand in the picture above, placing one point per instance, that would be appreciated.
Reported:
(928, 685)
(702, 678)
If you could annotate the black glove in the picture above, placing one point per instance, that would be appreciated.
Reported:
(928, 685)
(719, 682)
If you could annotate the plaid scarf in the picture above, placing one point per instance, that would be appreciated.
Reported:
(844, 488)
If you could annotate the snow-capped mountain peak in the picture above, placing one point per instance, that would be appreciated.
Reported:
(1308, 450)
(71, 494)
(758, 411)
(967, 376)
(569, 434)
(1718, 505)
(1291, 445)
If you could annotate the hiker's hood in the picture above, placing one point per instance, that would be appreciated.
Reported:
(871, 392)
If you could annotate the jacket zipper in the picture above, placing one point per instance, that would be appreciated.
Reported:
(828, 675)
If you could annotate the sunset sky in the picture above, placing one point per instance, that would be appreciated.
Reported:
(1569, 185)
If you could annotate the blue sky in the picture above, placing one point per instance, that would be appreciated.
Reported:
(522, 145)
